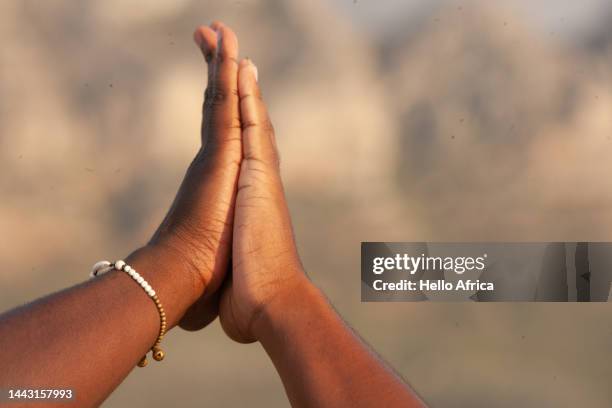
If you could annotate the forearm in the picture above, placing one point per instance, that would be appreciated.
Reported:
(89, 337)
(321, 361)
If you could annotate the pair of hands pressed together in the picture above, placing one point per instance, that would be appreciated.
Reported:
(225, 248)
(231, 201)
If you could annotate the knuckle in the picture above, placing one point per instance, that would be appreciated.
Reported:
(218, 94)
(265, 125)
(255, 93)
(276, 158)
(268, 127)
(226, 123)
(223, 57)
(248, 123)
(260, 163)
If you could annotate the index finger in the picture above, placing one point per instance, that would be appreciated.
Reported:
(221, 117)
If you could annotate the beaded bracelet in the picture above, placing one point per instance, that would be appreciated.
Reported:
(106, 266)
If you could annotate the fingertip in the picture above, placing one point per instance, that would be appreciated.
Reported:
(243, 63)
(247, 75)
(197, 37)
(216, 25)
(227, 41)
(247, 86)
(206, 39)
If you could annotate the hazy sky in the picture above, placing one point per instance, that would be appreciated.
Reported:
(569, 18)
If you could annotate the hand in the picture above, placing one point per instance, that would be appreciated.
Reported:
(197, 231)
(266, 265)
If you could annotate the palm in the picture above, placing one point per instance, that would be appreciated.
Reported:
(252, 269)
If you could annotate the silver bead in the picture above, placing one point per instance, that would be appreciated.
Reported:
(127, 268)
(119, 265)
(140, 279)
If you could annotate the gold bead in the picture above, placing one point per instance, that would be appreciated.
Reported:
(158, 354)
(143, 361)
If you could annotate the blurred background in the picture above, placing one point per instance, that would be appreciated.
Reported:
(397, 120)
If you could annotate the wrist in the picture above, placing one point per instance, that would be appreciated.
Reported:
(286, 309)
(170, 275)
(170, 256)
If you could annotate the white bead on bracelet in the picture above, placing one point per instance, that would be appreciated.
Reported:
(103, 267)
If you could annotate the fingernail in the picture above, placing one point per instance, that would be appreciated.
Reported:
(255, 71)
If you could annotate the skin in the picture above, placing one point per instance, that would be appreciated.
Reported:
(231, 201)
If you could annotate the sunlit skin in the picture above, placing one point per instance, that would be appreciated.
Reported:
(226, 247)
